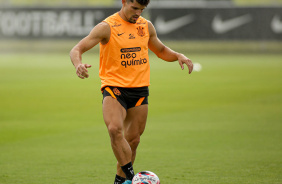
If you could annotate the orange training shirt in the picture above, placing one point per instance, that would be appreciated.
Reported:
(124, 60)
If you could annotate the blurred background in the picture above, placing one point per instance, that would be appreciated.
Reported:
(219, 125)
(256, 23)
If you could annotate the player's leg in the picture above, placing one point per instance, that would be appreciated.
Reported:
(134, 126)
(114, 116)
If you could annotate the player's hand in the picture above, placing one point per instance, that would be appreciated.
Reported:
(184, 60)
(81, 71)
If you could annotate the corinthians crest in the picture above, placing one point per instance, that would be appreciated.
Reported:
(141, 31)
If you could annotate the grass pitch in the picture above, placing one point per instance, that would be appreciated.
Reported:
(221, 125)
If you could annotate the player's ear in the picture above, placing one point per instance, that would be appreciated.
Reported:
(123, 2)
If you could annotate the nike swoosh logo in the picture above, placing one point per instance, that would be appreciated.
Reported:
(165, 27)
(219, 26)
(276, 24)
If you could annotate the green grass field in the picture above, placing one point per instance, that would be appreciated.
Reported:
(218, 126)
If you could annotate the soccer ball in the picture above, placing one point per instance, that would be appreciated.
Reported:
(197, 67)
(146, 177)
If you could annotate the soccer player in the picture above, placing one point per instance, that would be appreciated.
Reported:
(124, 70)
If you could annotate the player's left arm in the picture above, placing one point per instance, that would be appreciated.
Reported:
(164, 52)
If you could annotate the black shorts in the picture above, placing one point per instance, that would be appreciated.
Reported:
(128, 97)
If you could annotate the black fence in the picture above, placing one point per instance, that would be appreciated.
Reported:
(244, 23)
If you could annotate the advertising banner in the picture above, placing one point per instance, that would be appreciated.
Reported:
(244, 23)
(218, 23)
(59, 23)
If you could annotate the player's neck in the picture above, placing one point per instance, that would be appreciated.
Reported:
(122, 15)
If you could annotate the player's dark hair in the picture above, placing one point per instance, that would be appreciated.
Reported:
(142, 2)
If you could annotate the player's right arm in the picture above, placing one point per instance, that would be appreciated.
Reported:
(100, 33)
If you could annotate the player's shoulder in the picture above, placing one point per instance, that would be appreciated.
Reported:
(151, 28)
(103, 27)
(101, 30)
(112, 19)
(150, 23)
(143, 20)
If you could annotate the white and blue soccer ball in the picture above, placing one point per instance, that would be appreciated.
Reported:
(146, 177)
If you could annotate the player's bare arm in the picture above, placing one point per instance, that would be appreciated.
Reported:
(100, 33)
(166, 53)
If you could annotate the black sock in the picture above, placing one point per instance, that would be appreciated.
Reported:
(128, 171)
(119, 179)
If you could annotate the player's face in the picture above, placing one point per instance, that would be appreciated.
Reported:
(133, 10)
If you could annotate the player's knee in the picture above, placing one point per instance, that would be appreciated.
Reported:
(115, 132)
